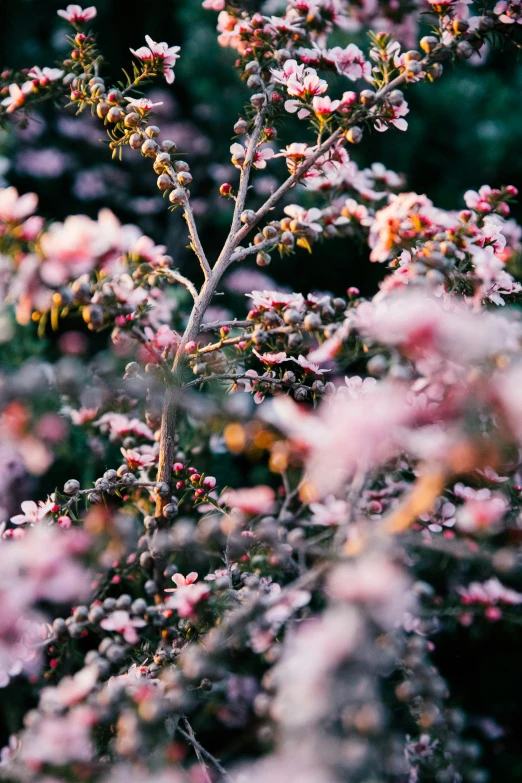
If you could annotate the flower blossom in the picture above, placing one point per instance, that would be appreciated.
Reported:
(16, 96)
(14, 208)
(76, 14)
(121, 622)
(33, 513)
(160, 53)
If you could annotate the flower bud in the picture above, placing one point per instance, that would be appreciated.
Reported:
(368, 98)
(225, 189)
(131, 120)
(412, 55)
(149, 148)
(313, 321)
(287, 239)
(135, 141)
(460, 25)
(248, 216)
(263, 259)
(269, 232)
(396, 98)
(300, 394)
(115, 114)
(177, 196)
(292, 316)
(289, 377)
(464, 50)
(168, 146)
(93, 315)
(428, 43)
(162, 489)
(435, 71)
(152, 131)
(184, 178)
(252, 67)
(354, 135)
(164, 182)
(71, 487)
(413, 68)
(241, 127)
(254, 82)
(258, 100)
(102, 110)
(171, 509)
(181, 165)
(485, 24)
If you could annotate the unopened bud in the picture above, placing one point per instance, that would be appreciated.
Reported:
(115, 114)
(177, 196)
(149, 148)
(258, 100)
(135, 141)
(354, 135)
(263, 259)
(164, 182)
(428, 43)
(152, 131)
(464, 50)
(184, 178)
(132, 119)
(248, 216)
(368, 98)
(241, 127)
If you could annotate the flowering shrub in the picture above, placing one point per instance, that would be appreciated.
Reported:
(281, 622)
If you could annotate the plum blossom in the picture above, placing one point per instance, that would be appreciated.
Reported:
(159, 53)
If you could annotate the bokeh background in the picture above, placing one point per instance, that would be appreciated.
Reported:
(465, 130)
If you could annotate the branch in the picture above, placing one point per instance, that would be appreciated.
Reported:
(287, 185)
(230, 243)
(242, 252)
(179, 278)
(191, 737)
(214, 325)
(197, 247)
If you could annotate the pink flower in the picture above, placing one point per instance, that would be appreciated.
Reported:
(121, 622)
(272, 358)
(145, 457)
(214, 5)
(253, 500)
(160, 54)
(324, 106)
(16, 96)
(75, 14)
(309, 366)
(143, 104)
(32, 513)
(398, 113)
(490, 592)
(350, 62)
(45, 75)
(15, 208)
(182, 581)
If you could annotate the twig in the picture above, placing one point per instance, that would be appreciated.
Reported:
(194, 237)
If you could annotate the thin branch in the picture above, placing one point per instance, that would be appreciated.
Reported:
(197, 748)
(243, 252)
(230, 243)
(179, 278)
(214, 325)
(287, 185)
(191, 737)
(194, 238)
